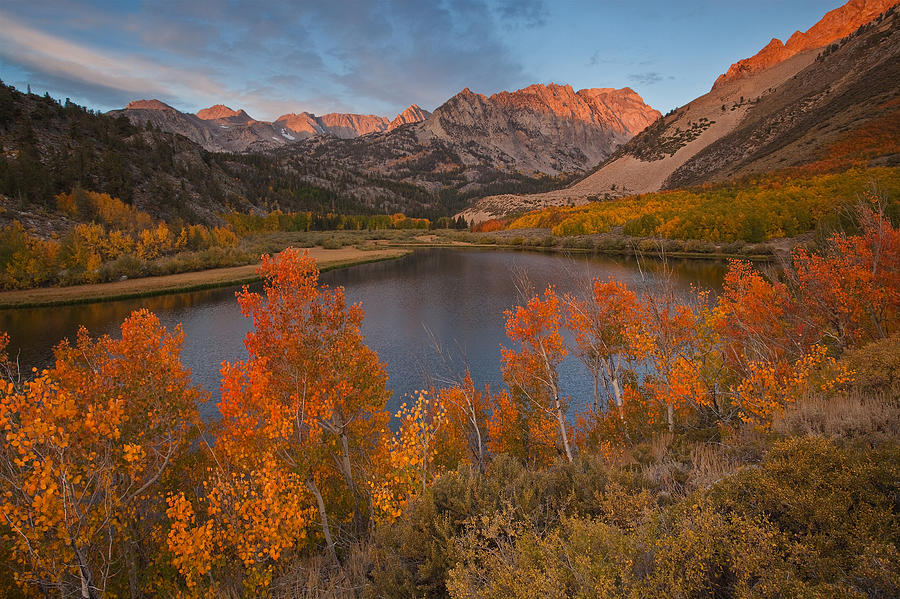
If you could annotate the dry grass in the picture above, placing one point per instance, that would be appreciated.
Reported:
(710, 463)
(851, 414)
(315, 578)
(876, 366)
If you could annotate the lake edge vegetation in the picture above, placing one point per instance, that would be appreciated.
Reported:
(744, 445)
(108, 239)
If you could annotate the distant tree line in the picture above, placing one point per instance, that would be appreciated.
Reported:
(244, 223)
(752, 210)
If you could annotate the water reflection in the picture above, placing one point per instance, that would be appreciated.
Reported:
(453, 299)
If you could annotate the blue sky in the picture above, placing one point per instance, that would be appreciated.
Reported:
(377, 57)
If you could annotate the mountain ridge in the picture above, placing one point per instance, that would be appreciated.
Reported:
(220, 128)
(474, 144)
(835, 25)
(765, 119)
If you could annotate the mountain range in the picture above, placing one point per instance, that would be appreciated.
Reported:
(541, 129)
(474, 143)
(508, 152)
(222, 129)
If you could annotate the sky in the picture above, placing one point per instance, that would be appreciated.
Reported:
(377, 57)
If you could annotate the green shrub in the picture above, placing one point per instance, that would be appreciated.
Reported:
(813, 519)
(877, 365)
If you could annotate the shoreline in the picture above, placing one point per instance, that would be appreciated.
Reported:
(559, 249)
(327, 259)
(185, 282)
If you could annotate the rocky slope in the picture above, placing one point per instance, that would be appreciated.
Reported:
(413, 114)
(222, 129)
(755, 120)
(542, 128)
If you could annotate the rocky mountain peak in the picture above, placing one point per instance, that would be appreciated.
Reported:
(413, 114)
(220, 111)
(619, 110)
(149, 105)
(347, 126)
(835, 25)
(305, 122)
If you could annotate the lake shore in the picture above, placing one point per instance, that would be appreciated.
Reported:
(393, 245)
(327, 259)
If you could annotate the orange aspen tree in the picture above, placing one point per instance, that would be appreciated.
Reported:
(302, 419)
(409, 461)
(532, 373)
(763, 336)
(758, 319)
(465, 434)
(508, 428)
(852, 290)
(85, 445)
(673, 326)
(246, 520)
(610, 336)
(774, 345)
(767, 388)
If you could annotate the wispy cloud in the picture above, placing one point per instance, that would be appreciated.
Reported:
(84, 68)
(649, 77)
(269, 58)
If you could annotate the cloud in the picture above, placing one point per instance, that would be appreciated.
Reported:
(65, 62)
(424, 53)
(269, 58)
(596, 60)
(649, 78)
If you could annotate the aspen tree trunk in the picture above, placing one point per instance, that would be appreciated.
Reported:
(348, 472)
(480, 444)
(326, 530)
(358, 517)
(617, 392)
(561, 418)
(87, 583)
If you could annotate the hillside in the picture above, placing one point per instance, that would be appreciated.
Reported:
(786, 114)
(49, 148)
(836, 24)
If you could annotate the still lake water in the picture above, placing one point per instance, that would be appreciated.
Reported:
(449, 298)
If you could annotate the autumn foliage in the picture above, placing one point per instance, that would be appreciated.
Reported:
(86, 445)
(755, 210)
(684, 360)
(532, 374)
(106, 491)
(110, 239)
